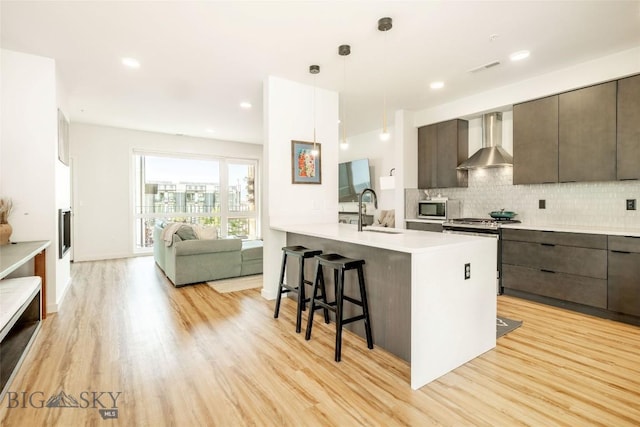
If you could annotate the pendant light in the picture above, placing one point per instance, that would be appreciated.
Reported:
(344, 51)
(314, 69)
(384, 25)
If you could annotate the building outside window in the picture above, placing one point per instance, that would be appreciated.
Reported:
(220, 193)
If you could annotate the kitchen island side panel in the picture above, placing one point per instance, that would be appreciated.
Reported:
(388, 282)
(453, 317)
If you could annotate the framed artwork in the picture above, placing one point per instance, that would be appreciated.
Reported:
(305, 165)
(63, 138)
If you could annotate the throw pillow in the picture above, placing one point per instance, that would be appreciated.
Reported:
(390, 218)
(206, 233)
(186, 233)
(382, 218)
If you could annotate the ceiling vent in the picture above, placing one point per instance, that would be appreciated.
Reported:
(485, 66)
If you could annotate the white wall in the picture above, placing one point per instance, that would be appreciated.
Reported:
(406, 149)
(289, 115)
(103, 184)
(63, 201)
(29, 169)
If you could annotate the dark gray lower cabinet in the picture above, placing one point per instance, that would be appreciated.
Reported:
(565, 287)
(593, 270)
(424, 226)
(624, 275)
(565, 266)
(587, 262)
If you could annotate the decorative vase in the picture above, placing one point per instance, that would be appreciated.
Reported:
(5, 233)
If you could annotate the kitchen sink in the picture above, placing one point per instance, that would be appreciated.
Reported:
(382, 230)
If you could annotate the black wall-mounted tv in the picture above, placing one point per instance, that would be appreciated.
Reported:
(64, 232)
(353, 177)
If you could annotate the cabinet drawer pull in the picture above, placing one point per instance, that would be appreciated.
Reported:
(547, 271)
(547, 244)
(620, 252)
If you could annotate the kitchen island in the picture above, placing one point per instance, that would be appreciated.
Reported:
(422, 307)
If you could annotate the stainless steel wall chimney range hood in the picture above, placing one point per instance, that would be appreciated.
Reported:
(491, 154)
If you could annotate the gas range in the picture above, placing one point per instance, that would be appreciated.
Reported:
(477, 224)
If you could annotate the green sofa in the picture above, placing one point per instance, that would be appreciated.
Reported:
(196, 261)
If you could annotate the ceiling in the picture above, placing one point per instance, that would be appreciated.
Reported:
(199, 60)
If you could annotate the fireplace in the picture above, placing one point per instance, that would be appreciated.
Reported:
(64, 232)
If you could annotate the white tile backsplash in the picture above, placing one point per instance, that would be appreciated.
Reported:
(584, 204)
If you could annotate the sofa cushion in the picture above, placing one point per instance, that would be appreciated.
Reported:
(186, 233)
(251, 249)
(205, 233)
(197, 247)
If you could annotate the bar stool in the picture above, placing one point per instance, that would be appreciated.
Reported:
(301, 253)
(339, 264)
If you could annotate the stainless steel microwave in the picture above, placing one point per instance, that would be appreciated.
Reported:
(438, 209)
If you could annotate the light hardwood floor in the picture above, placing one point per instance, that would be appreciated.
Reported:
(191, 356)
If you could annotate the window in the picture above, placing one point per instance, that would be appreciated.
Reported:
(212, 192)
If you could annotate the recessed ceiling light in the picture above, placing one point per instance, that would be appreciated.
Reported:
(210, 130)
(521, 54)
(131, 62)
(436, 85)
(246, 105)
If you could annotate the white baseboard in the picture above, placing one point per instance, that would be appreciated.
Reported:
(268, 294)
(101, 257)
(54, 308)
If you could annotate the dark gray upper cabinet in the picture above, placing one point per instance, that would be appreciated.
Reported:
(441, 148)
(587, 134)
(629, 128)
(427, 156)
(535, 141)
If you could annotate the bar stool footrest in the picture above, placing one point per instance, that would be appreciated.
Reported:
(352, 300)
(353, 319)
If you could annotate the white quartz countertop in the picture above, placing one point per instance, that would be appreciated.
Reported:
(395, 239)
(588, 229)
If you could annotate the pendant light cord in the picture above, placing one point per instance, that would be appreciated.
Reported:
(314, 111)
(384, 25)
(314, 69)
(344, 102)
(385, 83)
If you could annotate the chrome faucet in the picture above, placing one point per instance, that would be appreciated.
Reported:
(375, 203)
